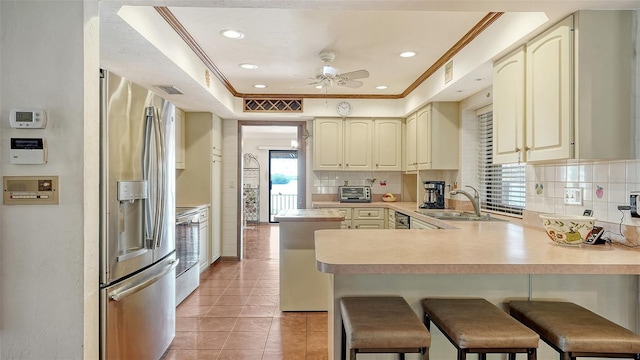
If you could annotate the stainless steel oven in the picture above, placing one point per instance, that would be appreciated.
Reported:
(187, 251)
(402, 221)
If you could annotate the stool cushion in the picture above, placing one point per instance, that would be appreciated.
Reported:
(382, 323)
(478, 324)
(573, 328)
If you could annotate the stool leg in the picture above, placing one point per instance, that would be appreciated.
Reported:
(425, 353)
(532, 354)
(343, 348)
(462, 355)
(482, 356)
(427, 321)
(512, 356)
(401, 356)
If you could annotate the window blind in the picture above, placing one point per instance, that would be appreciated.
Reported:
(502, 186)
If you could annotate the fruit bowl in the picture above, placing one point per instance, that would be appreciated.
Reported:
(567, 229)
(389, 199)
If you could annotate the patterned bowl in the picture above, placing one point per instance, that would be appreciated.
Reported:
(567, 229)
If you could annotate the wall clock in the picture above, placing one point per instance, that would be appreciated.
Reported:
(343, 108)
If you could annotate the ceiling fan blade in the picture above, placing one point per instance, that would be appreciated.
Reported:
(352, 75)
(354, 84)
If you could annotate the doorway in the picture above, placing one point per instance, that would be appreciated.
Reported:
(258, 139)
(283, 181)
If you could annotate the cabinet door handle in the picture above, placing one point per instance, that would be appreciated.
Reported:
(517, 149)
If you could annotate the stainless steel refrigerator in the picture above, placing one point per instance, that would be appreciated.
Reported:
(137, 213)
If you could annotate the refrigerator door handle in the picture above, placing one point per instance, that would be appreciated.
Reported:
(146, 169)
(122, 294)
(162, 175)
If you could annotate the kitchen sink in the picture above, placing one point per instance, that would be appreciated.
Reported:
(457, 216)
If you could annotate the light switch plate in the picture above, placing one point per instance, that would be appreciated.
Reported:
(573, 196)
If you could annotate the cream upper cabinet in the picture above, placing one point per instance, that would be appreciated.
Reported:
(508, 113)
(358, 144)
(327, 144)
(387, 144)
(423, 137)
(548, 125)
(216, 136)
(179, 141)
(437, 136)
(578, 92)
(410, 163)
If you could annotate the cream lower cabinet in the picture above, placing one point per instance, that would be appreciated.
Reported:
(363, 218)
(204, 243)
(578, 86)
(422, 225)
(368, 218)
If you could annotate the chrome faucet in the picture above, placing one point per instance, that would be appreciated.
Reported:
(475, 199)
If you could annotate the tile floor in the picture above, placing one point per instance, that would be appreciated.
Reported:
(234, 313)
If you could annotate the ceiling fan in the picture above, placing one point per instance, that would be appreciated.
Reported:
(328, 75)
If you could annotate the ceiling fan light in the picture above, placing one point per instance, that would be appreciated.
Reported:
(407, 54)
(319, 87)
(382, 87)
(248, 66)
(232, 34)
(259, 86)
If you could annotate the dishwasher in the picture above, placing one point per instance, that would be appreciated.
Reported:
(402, 221)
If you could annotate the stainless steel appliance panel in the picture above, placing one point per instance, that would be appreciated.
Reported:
(137, 221)
(354, 194)
(137, 172)
(402, 221)
(139, 307)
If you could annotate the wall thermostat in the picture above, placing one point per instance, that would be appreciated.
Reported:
(28, 119)
(28, 151)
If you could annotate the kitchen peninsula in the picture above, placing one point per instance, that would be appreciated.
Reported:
(494, 260)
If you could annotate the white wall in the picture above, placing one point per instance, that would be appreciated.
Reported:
(230, 188)
(49, 253)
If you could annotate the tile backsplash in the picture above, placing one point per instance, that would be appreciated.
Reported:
(605, 185)
(381, 182)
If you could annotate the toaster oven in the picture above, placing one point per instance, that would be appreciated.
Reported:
(354, 194)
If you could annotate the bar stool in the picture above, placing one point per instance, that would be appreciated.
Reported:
(474, 325)
(574, 331)
(382, 325)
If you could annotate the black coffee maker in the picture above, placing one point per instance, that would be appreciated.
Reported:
(433, 195)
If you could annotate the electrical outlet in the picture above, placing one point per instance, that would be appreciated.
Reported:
(633, 204)
(573, 196)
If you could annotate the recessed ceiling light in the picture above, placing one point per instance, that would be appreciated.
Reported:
(381, 87)
(232, 34)
(259, 86)
(249, 66)
(407, 54)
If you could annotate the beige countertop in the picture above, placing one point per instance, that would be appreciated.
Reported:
(309, 215)
(464, 248)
